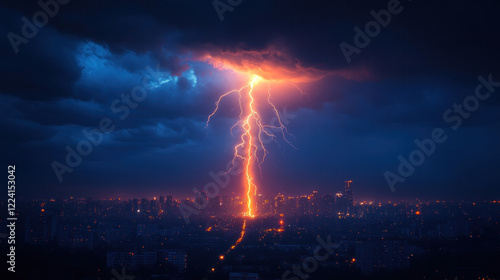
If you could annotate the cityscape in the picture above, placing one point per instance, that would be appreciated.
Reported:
(316, 236)
(250, 140)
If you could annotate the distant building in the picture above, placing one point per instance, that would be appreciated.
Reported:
(326, 205)
(153, 207)
(314, 203)
(75, 235)
(348, 193)
(303, 205)
(382, 255)
(177, 258)
(260, 204)
(349, 201)
(243, 276)
(266, 203)
(138, 259)
(279, 204)
(135, 205)
(40, 229)
(340, 204)
(147, 230)
(214, 205)
(144, 206)
(291, 205)
(117, 231)
(169, 204)
(131, 260)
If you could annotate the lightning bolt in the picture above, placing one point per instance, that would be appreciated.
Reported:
(251, 149)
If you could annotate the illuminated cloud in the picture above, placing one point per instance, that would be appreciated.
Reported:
(273, 64)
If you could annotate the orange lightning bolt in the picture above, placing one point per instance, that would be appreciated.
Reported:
(251, 139)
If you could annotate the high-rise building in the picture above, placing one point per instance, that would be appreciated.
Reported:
(260, 204)
(291, 205)
(279, 203)
(144, 205)
(314, 203)
(169, 204)
(326, 204)
(265, 203)
(348, 197)
(153, 207)
(303, 205)
(339, 204)
(135, 205)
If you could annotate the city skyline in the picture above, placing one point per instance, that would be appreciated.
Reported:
(369, 239)
(340, 187)
(213, 237)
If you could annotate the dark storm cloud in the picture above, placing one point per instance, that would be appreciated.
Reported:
(364, 114)
(425, 33)
(45, 68)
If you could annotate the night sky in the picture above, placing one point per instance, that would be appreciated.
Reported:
(351, 121)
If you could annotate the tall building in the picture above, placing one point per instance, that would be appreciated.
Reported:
(260, 204)
(303, 205)
(348, 197)
(279, 203)
(162, 201)
(144, 205)
(169, 204)
(326, 204)
(201, 199)
(135, 205)
(314, 203)
(339, 204)
(291, 205)
(153, 207)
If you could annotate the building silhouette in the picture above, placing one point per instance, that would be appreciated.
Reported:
(348, 199)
